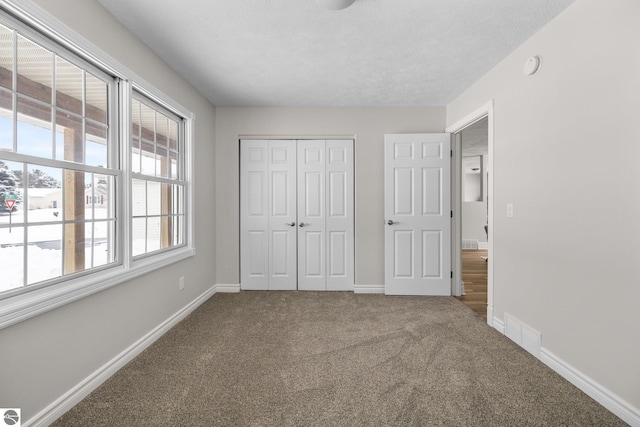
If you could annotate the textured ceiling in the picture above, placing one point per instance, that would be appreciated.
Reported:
(294, 53)
(475, 139)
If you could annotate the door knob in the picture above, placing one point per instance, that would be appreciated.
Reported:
(302, 224)
(390, 222)
(291, 224)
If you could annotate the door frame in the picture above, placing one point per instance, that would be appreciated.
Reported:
(485, 111)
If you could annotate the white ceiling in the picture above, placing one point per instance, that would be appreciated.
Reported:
(475, 139)
(295, 53)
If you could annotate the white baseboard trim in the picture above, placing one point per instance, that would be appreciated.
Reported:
(71, 398)
(483, 245)
(228, 289)
(490, 315)
(498, 324)
(531, 340)
(597, 392)
(368, 289)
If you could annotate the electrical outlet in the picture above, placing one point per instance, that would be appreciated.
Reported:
(181, 283)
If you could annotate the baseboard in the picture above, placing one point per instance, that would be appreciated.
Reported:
(497, 324)
(531, 340)
(368, 289)
(597, 392)
(483, 245)
(67, 401)
(469, 244)
(490, 315)
(228, 289)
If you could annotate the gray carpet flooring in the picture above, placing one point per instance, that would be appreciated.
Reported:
(335, 359)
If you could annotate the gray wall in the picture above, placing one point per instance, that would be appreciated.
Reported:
(474, 218)
(367, 124)
(44, 357)
(474, 214)
(566, 155)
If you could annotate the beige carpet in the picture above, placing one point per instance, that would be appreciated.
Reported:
(335, 359)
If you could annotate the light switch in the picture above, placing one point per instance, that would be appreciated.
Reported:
(509, 210)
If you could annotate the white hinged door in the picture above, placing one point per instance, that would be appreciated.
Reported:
(417, 214)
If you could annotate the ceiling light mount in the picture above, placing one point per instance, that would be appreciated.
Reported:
(335, 4)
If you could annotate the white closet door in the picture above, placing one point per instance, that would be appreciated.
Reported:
(417, 213)
(325, 215)
(296, 207)
(311, 216)
(339, 215)
(268, 215)
(254, 215)
(282, 221)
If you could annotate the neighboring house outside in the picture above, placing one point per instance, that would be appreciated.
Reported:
(100, 194)
(42, 198)
(51, 198)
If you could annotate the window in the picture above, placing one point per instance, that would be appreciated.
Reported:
(58, 213)
(157, 184)
(95, 174)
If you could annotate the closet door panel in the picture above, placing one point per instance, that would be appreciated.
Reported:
(254, 215)
(339, 215)
(311, 215)
(282, 215)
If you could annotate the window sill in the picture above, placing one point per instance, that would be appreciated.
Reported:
(31, 304)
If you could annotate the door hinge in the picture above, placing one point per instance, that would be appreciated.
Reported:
(451, 214)
(451, 153)
(452, 274)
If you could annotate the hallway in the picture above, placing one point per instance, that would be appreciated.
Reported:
(474, 275)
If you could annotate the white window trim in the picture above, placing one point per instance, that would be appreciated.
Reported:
(126, 94)
(26, 305)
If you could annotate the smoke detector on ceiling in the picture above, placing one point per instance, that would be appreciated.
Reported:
(335, 4)
(531, 65)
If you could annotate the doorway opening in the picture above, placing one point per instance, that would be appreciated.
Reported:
(472, 197)
(474, 151)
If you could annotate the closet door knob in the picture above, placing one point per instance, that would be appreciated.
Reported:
(291, 224)
(302, 224)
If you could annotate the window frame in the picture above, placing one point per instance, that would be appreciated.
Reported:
(180, 180)
(113, 150)
(30, 301)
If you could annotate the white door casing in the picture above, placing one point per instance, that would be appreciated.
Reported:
(417, 214)
(307, 189)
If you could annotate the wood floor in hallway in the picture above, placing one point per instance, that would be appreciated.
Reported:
(474, 275)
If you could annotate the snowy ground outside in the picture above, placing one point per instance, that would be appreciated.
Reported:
(44, 245)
